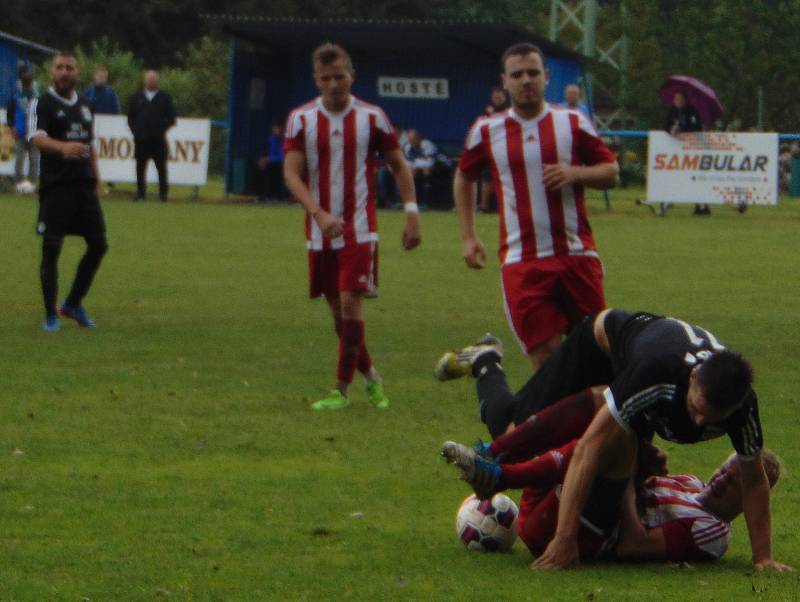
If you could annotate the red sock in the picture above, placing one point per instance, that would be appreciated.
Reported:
(350, 343)
(364, 362)
(556, 425)
(545, 471)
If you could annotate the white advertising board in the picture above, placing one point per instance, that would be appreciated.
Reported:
(187, 145)
(712, 167)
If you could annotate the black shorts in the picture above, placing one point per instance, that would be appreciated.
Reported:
(578, 363)
(70, 209)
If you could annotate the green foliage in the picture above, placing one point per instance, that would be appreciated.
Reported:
(124, 69)
(171, 454)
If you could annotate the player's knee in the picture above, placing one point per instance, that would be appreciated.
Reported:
(97, 247)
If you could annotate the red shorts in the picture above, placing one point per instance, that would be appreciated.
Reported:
(547, 297)
(353, 268)
(538, 516)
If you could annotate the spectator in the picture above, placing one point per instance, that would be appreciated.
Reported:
(17, 120)
(100, 95)
(498, 102)
(424, 159)
(682, 117)
(271, 166)
(150, 115)
(572, 100)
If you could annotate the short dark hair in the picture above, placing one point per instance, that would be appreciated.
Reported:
(328, 52)
(65, 53)
(520, 49)
(725, 379)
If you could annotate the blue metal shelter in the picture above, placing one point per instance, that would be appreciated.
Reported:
(13, 51)
(271, 73)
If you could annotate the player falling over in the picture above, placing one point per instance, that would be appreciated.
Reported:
(663, 516)
(654, 375)
(331, 146)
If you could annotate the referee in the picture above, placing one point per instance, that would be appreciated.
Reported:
(61, 127)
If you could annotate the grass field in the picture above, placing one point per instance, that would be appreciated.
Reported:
(171, 454)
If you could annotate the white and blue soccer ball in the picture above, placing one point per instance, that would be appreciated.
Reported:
(487, 525)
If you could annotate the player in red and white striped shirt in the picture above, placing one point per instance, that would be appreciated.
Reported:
(331, 146)
(541, 157)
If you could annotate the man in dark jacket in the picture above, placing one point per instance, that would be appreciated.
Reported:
(101, 96)
(683, 117)
(150, 115)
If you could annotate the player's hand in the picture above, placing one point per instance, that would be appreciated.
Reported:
(411, 233)
(559, 554)
(474, 253)
(263, 162)
(75, 150)
(331, 226)
(557, 175)
(772, 565)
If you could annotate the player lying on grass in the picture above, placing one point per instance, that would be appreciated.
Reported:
(664, 516)
(657, 375)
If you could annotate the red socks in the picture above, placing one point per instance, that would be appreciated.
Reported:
(545, 471)
(554, 426)
(352, 350)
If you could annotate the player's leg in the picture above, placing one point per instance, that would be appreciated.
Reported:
(160, 159)
(533, 311)
(555, 425)
(141, 155)
(582, 283)
(92, 225)
(48, 274)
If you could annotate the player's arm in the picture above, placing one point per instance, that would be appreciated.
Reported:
(636, 541)
(464, 194)
(46, 144)
(755, 503)
(405, 186)
(294, 165)
(601, 176)
(603, 448)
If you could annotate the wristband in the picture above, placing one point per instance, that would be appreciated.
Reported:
(411, 207)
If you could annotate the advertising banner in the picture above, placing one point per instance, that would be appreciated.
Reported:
(712, 167)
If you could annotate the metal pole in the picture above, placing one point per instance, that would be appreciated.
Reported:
(554, 20)
(229, 118)
(760, 108)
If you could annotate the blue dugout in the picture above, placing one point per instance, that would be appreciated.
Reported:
(13, 52)
(271, 73)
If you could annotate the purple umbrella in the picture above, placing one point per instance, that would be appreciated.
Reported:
(698, 94)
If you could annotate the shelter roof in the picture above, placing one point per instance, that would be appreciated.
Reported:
(27, 44)
(297, 34)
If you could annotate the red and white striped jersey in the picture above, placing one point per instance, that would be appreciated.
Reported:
(340, 151)
(690, 532)
(534, 222)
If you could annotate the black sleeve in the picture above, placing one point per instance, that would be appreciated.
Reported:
(169, 112)
(11, 109)
(42, 117)
(639, 386)
(744, 428)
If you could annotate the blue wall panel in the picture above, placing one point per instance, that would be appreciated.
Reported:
(288, 84)
(8, 72)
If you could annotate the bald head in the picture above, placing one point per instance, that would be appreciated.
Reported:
(151, 80)
(572, 94)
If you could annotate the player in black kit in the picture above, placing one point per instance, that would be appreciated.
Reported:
(61, 126)
(649, 374)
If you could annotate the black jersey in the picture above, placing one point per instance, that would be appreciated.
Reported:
(652, 358)
(69, 121)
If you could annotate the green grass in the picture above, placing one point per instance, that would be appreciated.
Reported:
(171, 453)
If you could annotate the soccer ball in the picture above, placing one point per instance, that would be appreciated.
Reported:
(487, 525)
(25, 187)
